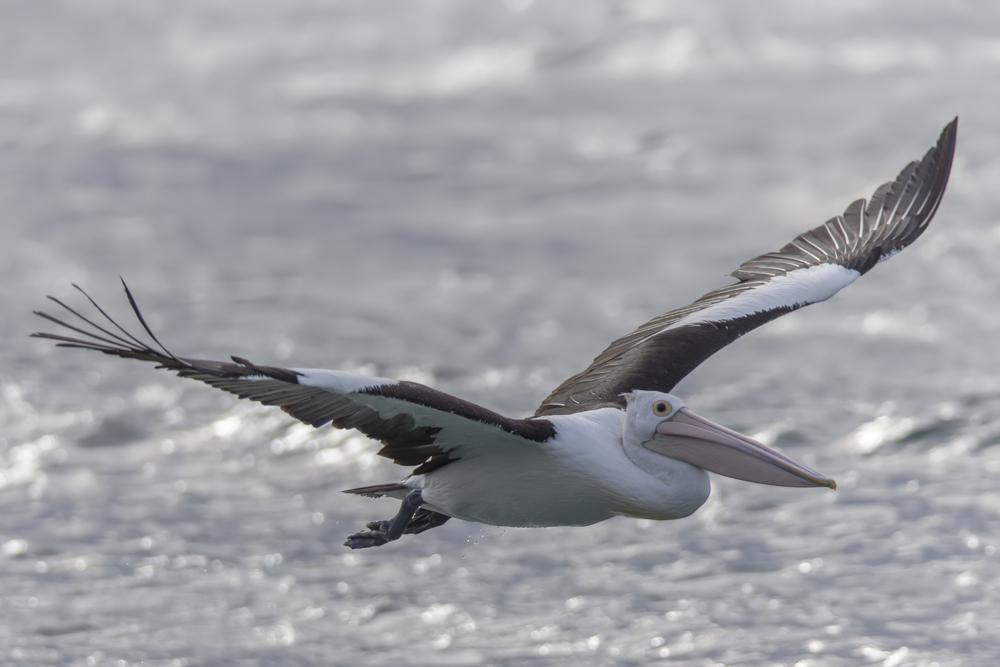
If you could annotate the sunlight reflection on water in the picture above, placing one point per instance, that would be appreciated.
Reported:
(479, 198)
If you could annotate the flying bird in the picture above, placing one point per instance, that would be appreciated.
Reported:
(609, 441)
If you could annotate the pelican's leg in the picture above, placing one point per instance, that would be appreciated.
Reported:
(381, 532)
(423, 520)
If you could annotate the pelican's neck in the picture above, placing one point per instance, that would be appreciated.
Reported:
(686, 485)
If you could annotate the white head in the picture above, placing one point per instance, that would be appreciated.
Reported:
(645, 411)
(661, 424)
(685, 486)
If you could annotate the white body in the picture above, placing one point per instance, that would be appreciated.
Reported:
(582, 476)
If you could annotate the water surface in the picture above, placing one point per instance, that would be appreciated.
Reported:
(481, 196)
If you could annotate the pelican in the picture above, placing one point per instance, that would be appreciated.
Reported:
(609, 441)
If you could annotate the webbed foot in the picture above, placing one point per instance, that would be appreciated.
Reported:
(364, 539)
(380, 532)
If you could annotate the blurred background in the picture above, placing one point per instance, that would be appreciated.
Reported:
(481, 196)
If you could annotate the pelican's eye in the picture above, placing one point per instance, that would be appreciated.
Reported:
(662, 408)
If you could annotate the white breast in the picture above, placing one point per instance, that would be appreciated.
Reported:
(578, 478)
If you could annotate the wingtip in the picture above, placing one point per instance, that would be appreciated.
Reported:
(945, 150)
(949, 136)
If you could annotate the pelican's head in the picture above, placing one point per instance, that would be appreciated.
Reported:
(662, 423)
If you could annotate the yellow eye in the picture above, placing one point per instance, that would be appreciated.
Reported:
(662, 408)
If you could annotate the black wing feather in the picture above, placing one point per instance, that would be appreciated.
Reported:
(403, 440)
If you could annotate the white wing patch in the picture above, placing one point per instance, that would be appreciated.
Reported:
(796, 288)
(339, 382)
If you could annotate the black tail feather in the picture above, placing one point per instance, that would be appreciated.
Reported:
(377, 490)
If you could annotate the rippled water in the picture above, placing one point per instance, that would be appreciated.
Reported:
(481, 196)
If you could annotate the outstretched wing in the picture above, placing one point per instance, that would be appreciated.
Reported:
(812, 268)
(417, 425)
